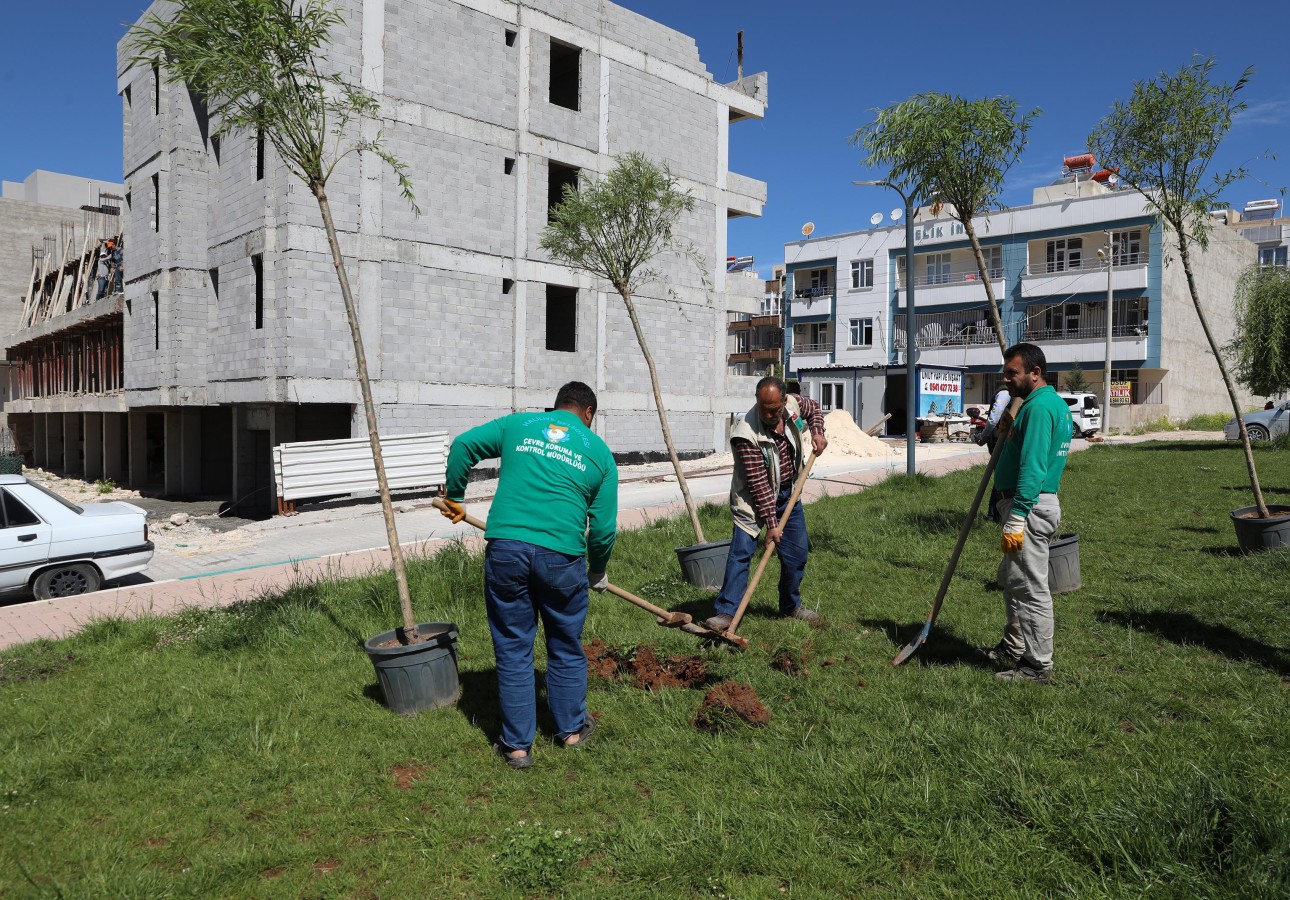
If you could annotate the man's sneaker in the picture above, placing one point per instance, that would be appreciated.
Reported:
(806, 615)
(999, 655)
(1026, 673)
(719, 623)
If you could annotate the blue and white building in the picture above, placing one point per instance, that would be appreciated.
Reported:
(847, 300)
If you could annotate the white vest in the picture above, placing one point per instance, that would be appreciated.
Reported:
(751, 429)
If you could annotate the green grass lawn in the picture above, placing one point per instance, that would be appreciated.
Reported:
(246, 752)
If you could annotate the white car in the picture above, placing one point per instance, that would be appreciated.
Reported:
(58, 549)
(1086, 415)
(1263, 425)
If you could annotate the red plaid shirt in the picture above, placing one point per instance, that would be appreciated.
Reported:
(749, 458)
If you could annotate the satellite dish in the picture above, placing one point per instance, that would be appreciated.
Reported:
(807, 229)
(896, 214)
(875, 218)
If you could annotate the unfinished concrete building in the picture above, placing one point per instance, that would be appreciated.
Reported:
(235, 333)
(51, 228)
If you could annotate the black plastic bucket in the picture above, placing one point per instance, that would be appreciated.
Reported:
(704, 565)
(1063, 564)
(417, 677)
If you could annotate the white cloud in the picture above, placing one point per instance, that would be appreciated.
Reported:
(1268, 112)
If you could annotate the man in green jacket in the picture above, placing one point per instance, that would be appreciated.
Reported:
(556, 502)
(1027, 476)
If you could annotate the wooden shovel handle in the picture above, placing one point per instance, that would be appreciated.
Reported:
(766, 554)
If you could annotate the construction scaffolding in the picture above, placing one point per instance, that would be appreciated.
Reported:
(62, 279)
(88, 358)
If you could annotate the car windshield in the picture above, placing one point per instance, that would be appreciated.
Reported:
(47, 492)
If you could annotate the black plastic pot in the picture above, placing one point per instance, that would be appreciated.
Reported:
(416, 677)
(704, 565)
(1254, 534)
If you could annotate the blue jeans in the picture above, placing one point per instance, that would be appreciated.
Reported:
(792, 561)
(522, 582)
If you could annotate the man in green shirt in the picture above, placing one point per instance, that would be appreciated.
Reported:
(1027, 476)
(556, 502)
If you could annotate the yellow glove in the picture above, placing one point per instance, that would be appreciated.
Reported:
(453, 511)
(1014, 533)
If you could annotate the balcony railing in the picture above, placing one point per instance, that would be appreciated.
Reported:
(1087, 263)
(822, 347)
(957, 329)
(810, 293)
(1085, 333)
(954, 276)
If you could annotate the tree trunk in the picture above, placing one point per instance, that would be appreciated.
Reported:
(409, 634)
(1227, 379)
(995, 319)
(662, 416)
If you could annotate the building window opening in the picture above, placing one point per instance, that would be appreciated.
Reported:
(509, 165)
(156, 90)
(510, 37)
(507, 284)
(257, 279)
(561, 318)
(156, 320)
(861, 273)
(557, 177)
(862, 332)
(566, 74)
(214, 276)
(831, 395)
(154, 213)
(259, 154)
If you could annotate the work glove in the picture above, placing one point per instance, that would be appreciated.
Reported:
(598, 581)
(453, 511)
(1014, 533)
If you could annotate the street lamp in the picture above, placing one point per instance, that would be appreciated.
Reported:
(1108, 253)
(911, 385)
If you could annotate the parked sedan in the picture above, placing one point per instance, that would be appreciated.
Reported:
(59, 549)
(1263, 425)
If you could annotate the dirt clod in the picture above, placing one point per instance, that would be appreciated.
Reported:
(328, 865)
(730, 703)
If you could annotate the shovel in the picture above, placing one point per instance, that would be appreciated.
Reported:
(765, 557)
(1005, 423)
(683, 621)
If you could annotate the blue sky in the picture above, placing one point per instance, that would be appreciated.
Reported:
(830, 64)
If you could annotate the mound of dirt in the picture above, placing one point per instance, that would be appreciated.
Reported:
(730, 703)
(847, 437)
(602, 661)
(644, 667)
(792, 662)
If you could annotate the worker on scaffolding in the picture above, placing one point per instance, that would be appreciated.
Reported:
(106, 272)
(118, 265)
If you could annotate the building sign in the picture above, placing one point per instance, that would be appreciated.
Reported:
(938, 231)
(940, 392)
(1121, 393)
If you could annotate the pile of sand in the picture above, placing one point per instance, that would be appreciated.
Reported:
(846, 437)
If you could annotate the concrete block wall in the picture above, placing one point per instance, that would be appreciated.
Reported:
(1194, 384)
(666, 122)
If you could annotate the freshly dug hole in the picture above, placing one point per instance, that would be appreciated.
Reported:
(643, 666)
(730, 703)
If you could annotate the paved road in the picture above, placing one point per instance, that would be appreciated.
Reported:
(349, 538)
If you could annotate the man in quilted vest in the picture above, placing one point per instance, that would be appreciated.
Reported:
(769, 450)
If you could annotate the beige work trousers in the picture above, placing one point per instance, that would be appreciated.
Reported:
(1023, 577)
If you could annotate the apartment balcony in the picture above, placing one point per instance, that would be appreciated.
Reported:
(958, 285)
(744, 196)
(819, 354)
(1065, 345)
(1085, 276)
(961, 338)
(764, 354)
(811, 302)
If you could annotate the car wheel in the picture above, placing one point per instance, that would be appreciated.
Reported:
(1257, 432)
(66, 581)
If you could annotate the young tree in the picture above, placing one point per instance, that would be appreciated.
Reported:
(256, 63)
(1261, 349)
(1075, 381)
(614, 228)
(1162, 141)
(953, 150)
